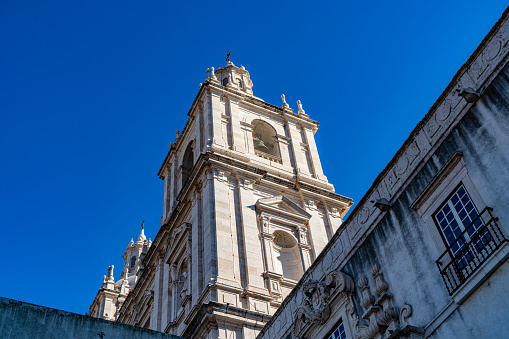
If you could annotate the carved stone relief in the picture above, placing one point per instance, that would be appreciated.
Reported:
(381, 317)
(314, 299)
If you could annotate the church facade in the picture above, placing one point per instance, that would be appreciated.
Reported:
(247, 209)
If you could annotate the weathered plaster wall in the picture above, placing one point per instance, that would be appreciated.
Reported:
(20, 320)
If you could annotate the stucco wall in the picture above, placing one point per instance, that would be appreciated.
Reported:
(20, 320)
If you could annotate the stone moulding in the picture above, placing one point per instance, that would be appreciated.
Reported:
(315, 309)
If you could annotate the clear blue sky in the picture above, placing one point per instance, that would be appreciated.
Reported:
(91, 93)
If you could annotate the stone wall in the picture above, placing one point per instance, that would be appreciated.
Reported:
(20, 320)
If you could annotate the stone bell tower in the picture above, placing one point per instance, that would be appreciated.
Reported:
(246, 210)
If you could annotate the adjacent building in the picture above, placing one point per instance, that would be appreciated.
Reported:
(424, 253)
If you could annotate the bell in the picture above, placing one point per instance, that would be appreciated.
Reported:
(260, 146)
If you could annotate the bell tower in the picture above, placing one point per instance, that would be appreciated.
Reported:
(246, 210)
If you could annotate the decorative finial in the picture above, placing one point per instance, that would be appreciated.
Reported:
(142, 237)
(285, 105)
(208, 73)
(213, 73)
(177, 134)
(301, 111)
(228, 57)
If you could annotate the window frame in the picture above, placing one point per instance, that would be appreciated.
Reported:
(462, 227)
(336, 326)
(436, 194)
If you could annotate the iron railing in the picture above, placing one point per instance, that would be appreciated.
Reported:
(476, 245)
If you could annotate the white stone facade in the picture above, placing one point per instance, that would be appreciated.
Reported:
(247, 209)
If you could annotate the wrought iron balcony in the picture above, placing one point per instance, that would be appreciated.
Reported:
(476, 244)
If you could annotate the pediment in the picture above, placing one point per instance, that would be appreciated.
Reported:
(283, 205)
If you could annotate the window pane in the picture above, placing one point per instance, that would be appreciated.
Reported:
(455, 217)
(339, 332)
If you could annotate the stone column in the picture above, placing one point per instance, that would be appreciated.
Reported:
(224, 228)
(247, 131)
(284, 148)
(215, 115)
(252, 245)
(237, 135)
(197, 243)
(295, 139)
(313, 152)
(270, 274)
(305, 249)
(209, 229)
(317, 234)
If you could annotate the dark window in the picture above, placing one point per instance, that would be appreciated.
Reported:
(225, 82)
(187, 164)
(338, 332)
(133, 262)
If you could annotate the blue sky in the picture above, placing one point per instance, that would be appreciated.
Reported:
(91, 93)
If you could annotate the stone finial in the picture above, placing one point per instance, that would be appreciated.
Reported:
(142, 237)
(285, 105)
(177, 134)
(213, 73)
(301, 111)
(208, 73)
(110, 272)
(132, 242)
(242, 68)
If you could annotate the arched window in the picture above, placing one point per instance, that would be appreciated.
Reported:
(225, 81)
(133, 262)
(265, 140)
(288, 255)
(187, 164)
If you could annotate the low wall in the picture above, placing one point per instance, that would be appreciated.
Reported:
(20, 320)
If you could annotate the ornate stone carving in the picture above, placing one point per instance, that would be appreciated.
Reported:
(381, 284)
(382, 318)
(339, 282)
(315, 309)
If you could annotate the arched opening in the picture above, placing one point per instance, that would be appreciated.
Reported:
(265, 140)
(133, 262)
(288, 255)
(225, 81)
(187, 164)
